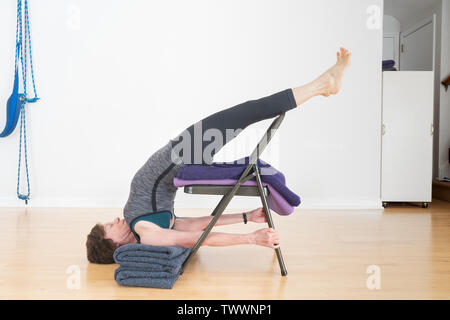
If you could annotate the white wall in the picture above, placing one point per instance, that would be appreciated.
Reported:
(444, 128)
(391, 24)
(133, 74)
(415, 16)
(404, 10)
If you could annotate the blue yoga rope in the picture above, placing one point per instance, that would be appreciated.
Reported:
(17, 101)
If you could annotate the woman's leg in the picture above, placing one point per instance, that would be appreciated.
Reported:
(225, 125)
(200, 223)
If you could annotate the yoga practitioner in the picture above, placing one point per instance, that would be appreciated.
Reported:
(149, 212)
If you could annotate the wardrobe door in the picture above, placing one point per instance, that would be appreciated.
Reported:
(407, 136)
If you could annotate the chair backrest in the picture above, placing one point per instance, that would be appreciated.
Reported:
(267, 137)
(262, 145)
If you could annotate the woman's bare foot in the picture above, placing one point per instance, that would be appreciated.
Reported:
(330, 81)
(327, 83)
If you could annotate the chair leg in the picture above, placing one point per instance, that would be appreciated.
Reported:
(217, 212)
(269, 218)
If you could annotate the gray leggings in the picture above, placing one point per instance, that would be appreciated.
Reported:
(234, 118)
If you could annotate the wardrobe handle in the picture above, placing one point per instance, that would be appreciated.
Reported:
(383, 131)
(432, 129)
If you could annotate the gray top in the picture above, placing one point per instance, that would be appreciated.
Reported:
(152, 188)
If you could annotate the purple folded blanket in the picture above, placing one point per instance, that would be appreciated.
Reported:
(388, 63)
(280, 199)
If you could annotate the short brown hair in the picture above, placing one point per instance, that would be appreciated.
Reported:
(99, 249)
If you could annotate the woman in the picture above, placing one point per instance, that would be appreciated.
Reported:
(148, 213)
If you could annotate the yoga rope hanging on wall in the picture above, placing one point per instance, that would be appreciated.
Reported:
(16, 103)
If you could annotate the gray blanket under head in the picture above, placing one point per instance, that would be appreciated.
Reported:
(143, 278)
(149, 266)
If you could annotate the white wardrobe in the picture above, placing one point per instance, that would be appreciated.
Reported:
(407, 137)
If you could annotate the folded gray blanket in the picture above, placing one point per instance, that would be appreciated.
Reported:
(156, 258)
(149, 266)
(126, 276)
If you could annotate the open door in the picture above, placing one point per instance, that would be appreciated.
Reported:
(417, 46)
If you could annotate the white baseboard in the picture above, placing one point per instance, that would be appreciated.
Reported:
(200, 201)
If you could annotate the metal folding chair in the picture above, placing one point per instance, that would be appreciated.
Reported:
(229, 192)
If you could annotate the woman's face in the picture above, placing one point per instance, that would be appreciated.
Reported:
(118, 231)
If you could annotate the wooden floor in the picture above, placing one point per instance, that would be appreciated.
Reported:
(327, 254)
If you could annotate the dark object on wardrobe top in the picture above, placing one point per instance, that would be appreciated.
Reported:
(388, 65)
(446, 82)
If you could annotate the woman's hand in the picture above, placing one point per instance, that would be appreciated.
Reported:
(257, 215)
(267, 237)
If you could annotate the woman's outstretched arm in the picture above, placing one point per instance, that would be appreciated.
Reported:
(157, 236)
(200, 223)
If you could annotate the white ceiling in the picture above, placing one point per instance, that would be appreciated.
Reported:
(403, 9)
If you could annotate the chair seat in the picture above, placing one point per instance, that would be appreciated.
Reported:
(248, 191)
